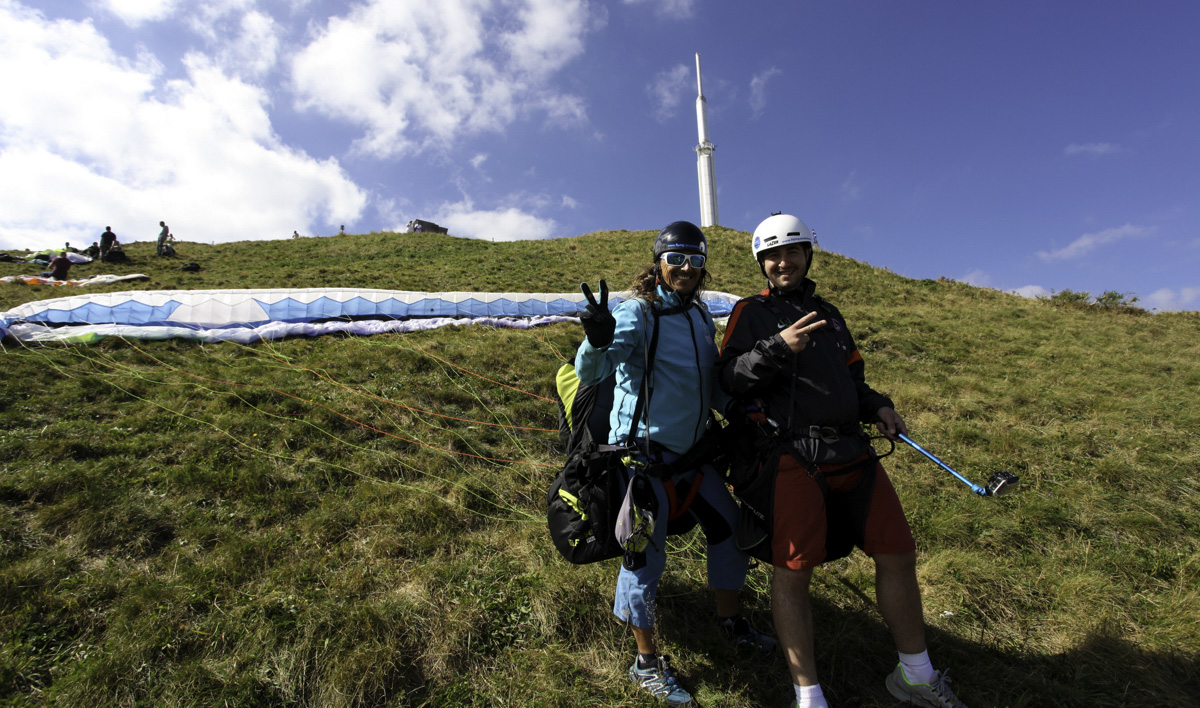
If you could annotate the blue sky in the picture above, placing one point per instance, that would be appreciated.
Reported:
(1023, 146)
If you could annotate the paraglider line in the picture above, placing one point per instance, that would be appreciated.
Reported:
(339, 414)
(548, 344)
(335, 382)
(112, 365)
(472, 373)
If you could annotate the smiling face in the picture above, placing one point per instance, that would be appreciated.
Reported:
(682, 279)
(786, 266)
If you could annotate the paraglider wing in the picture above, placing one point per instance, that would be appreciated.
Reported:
(251, 315)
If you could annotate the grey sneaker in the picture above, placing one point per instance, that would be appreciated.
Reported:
(935, 694)
(745, 636)
(660, 680)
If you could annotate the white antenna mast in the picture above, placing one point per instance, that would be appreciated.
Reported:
(704, 157)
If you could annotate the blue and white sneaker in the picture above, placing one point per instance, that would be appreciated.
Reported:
(660, 680)
(935, 694)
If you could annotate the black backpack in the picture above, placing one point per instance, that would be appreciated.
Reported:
(583, 501)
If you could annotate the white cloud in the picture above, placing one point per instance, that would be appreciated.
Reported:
(850, 189)
(423, 73)
(676, 9)
(254, 50)
(564, 110)
(569, 202)
(89, 139)
(978, 278)
(1094, 149)
(478, 160)
(207, 17)
(667, 89)
(550, 34)
(509, 224)
(1087, 242)
(758, 90)
(1166, 299)
(1032, 291)
(135, 12)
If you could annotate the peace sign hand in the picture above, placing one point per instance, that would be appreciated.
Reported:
(798, 334)
(598, 323)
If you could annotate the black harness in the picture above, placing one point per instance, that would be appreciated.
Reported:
(845, 511)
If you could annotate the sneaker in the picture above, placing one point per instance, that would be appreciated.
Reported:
(935, 694)
(659, 679)
(745, 636)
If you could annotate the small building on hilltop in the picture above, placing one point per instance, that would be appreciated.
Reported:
(425, 226)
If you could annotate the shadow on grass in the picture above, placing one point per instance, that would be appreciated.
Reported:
(855, 653)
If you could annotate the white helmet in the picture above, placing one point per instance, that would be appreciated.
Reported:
(780, 230)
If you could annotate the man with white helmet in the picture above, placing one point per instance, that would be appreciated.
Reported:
(812, 481)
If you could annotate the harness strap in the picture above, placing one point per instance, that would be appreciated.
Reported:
(677, 509)
(819, 476)
(827, 433)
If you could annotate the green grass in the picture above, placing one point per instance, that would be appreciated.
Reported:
(294, 523)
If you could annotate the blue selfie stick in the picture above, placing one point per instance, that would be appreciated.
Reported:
(974, 487)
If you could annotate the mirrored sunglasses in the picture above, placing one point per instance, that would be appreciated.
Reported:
(674, 258)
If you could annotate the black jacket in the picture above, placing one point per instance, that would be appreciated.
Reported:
(824, 385)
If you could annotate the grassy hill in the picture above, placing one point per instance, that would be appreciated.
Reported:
(358, 521)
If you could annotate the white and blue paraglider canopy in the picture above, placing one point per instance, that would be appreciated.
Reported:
(252, 315)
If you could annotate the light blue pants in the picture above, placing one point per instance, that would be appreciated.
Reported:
(727, 566)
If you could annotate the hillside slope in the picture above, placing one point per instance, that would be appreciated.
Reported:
(346, 521)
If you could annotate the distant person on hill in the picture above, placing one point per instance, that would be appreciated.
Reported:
(107, 239)
(342, 230)
(162, 236)
(60, 265)
(789, 359)
(116, 254)
(295, 234)
(92, 251)
(667, 301)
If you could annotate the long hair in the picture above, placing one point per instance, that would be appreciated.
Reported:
(644, 283)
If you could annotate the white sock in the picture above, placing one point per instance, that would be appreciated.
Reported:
(810, 696)
(917, 667)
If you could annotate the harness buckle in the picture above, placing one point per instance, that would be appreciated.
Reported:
(825, 434)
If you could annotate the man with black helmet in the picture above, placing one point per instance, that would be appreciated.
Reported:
(666, 330)
(788, 355)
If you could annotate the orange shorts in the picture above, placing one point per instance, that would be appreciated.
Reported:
(798, 540)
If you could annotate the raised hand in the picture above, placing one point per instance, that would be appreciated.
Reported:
(798, 334)
(598, 322)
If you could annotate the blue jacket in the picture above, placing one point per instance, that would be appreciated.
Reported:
(683, 381)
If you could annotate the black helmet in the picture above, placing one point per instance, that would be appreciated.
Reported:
(680, 234)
